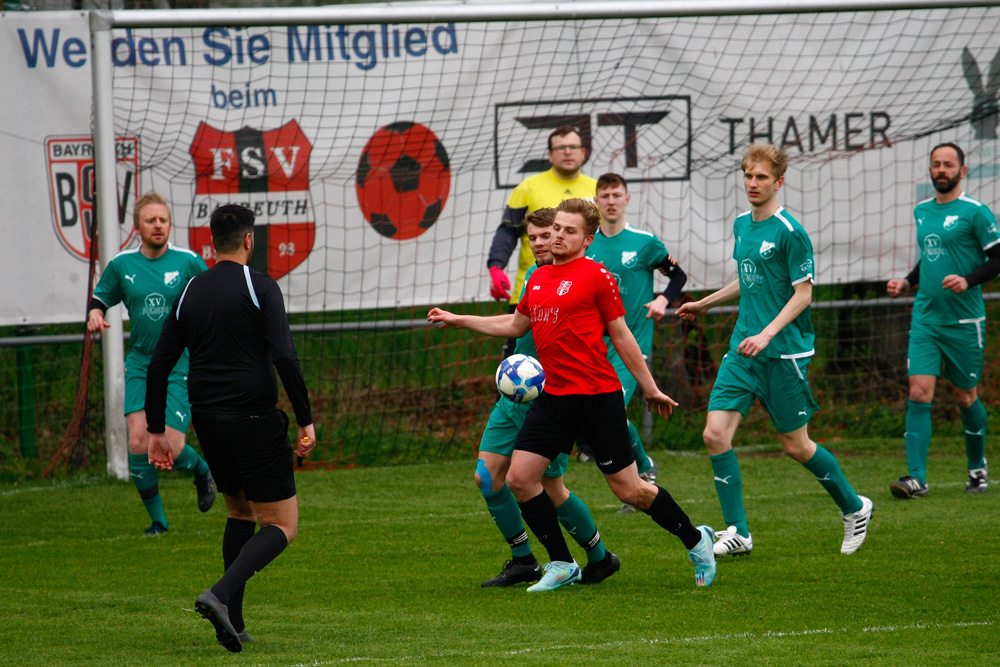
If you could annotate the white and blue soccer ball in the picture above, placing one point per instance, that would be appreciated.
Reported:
(520, 378)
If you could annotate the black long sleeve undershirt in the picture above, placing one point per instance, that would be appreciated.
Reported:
(676, 279)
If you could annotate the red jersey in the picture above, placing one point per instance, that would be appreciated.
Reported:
(569, 305)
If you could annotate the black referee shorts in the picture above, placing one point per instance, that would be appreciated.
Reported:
(248, 451)
(554, 423)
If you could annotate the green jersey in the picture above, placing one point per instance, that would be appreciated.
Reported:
(148, 288)
(772, 256)
(526, 343)
(631, 256)
(953, 239)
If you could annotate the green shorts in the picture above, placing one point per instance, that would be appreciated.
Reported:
(501, 431)
(958, 346)
(779, 383)
(178, 415)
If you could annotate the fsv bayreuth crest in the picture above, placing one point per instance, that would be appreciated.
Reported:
(266, 171)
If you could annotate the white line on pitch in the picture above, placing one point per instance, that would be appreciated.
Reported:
(775, 634)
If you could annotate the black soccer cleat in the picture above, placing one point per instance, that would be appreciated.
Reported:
(515, 573)
(206, 492)
(156, 529)
(908, 487)
(595, 573)
(217, 613)
(978, 481)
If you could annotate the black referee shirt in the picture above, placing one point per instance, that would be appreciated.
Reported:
(232, 319)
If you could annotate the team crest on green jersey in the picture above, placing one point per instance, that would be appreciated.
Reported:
(629, 257)
(749, 275)
(155, 306)
(766, 249)
(933, 249)
(950, 221)
(171, 278)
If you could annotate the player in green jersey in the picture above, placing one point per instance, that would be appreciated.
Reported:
(769, 353)
(148, 280)
(496, 447)
(959, 249)
(632, 256)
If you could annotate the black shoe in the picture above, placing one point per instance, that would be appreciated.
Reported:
(515, 573)
(206, 492)
(217, 613)
(978, 481)
(908, 487)
(156, 529)
(595, 573)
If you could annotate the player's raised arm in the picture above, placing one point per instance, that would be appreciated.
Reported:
(513, 325)
(692, 309)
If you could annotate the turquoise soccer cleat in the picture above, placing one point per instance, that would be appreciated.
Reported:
(703, 558)
(557, 573)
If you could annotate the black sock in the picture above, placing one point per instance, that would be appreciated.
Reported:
(259, 550)
(666, 512)
(238, 533)
(540, 515)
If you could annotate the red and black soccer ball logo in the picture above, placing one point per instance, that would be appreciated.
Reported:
(403, 180)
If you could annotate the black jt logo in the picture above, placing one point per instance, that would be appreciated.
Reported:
(985, 114)
(643, 138)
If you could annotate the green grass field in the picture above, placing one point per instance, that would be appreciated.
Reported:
(388, 563)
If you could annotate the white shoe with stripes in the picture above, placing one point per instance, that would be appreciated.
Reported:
(856, 527)
(730, 543)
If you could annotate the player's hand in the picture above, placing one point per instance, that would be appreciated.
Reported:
(95, 321)
(306, 441)
(656, 308)
(499, 284)
(896, 288)
(751, 346)
(956, 284)
(438, 316)
(160, 453)
(689, 311)
(659, 402)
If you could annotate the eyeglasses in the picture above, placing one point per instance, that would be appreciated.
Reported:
(566, 148)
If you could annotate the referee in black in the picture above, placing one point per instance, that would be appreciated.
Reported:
(232, 319)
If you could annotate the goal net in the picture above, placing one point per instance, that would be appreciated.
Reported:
(378, 158)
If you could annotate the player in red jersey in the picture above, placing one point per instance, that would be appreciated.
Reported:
(568, 306)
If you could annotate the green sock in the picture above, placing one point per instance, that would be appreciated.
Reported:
(729, 486)
(824, 466)
(974, 423)
(575, 517)
(507, 516)
(188, 459)
(147, 483)
(641, 460)
(917, 438)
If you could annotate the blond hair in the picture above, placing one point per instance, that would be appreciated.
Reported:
(755, 153)
(146, 200)
(587, 210)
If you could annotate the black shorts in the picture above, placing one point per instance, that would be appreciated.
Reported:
(554, 423)
(248, 451)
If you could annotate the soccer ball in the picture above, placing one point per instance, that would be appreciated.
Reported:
(520, 378)
(403, 180)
